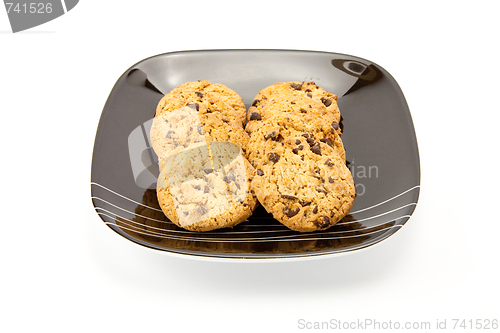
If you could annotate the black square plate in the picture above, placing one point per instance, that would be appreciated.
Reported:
(378, 136)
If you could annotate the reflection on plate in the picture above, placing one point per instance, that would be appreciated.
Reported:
(378, 136)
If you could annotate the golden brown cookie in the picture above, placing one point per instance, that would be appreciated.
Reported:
(174, 131)
(198, 135)
(292, 104)
(305, 187)
(280, 127)
(214, 97)
(306, 89)
(206, 187)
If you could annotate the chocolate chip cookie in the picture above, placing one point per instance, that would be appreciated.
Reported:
(214, 97)
(292, 104)
(305, 186)
(198, 135)
(174, 131)
(309, 90)
(206, 187)
(280, 127)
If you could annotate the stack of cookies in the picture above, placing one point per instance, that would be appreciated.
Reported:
(198, 135)
(301, 176)
(216, 159)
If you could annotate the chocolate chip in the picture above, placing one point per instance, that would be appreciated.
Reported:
(229, 178)
(332, 214)
(307, 135)
(255, 101)
(309, 95)
(207, 171)
(206, 189)
(169, 134)
(185, 213)
(303, 111)
(199, 94)
(304, 203)
(327, 141)
(335, 125)
(296, 86)
(290, 197)
(255, 116)
(321, 190)
(297, 142)
(200, 130)
(197, 187)
(329, 162)
(326, 101)
(271, 136)
(316, 149)
(331, 180)
(310, 141)
(194, 106)
(201, 210)
(274, 157)
(260, 172)
(291, 212)
(296, 150)
(315, 209)
(322, 222)
(311, 82)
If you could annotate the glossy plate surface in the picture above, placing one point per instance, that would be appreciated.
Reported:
(378, 136)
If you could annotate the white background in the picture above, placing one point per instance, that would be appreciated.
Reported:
(63, 270)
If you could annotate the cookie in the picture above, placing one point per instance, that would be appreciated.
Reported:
(206, 187)
(175, 131)
(291, 104)
(306, 89)
(306, 188)
(216, 129)
(283, 126)
(215, 98)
